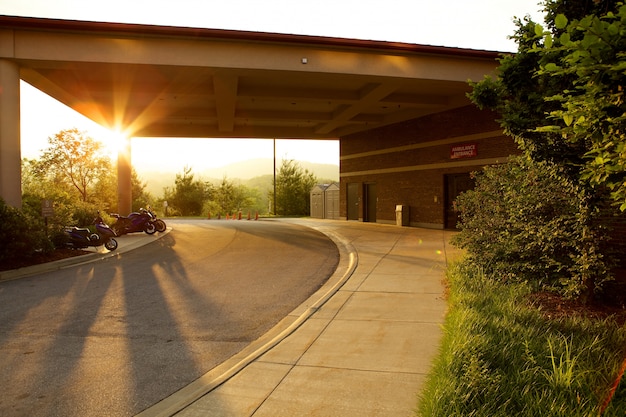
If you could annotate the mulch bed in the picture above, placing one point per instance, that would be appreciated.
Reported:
(554, 306)
(56, 255)
(611, 304)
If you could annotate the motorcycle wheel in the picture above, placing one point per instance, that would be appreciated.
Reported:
(111, 244)
(160, 225)
(150, 228)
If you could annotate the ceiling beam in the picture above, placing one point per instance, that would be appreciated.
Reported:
(370, 95)
(225, 86)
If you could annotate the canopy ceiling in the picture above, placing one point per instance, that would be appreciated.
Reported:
(156, 81)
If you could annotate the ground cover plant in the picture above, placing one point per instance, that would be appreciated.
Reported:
(502, 355)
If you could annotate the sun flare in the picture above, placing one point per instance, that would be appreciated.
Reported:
(116, 141)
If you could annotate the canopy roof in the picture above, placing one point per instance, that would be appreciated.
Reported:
(159, 81)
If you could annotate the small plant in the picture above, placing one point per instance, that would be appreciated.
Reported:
(561, 375)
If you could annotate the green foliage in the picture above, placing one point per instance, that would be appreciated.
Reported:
(561, 99)
(229, 198)
(141, 197)
(519, 97)
(293, 188)
(572, 75)
(527, 221)
(21, 235)
(501, 357)
(589, 54)
(189, 195)
(75, 159)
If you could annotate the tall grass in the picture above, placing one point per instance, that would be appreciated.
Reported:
(501, 357)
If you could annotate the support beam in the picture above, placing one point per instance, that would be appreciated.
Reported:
(225, 86)
(10, 150)
(124, 182)
(369, 96)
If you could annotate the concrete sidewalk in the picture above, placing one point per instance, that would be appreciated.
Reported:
(361, 346)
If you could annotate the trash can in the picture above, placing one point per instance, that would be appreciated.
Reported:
(402, 215)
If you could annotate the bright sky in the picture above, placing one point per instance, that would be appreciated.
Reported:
(476, 24)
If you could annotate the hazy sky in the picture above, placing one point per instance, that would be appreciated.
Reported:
(476, 24)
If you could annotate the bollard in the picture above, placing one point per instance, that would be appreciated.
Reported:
(256, 216)
(248, 214)
(209, 216)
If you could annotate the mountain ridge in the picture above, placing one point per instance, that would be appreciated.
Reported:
(242, 172)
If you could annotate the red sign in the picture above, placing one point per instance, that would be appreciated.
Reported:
(466, 150)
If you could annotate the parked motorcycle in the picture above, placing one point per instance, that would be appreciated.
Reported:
(158, 223)
(82, 237)
(141, 221)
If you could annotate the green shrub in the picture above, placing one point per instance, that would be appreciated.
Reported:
(525, 221)
(21, 235)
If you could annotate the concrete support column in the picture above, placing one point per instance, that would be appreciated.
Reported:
(10, 151)
(124, 183)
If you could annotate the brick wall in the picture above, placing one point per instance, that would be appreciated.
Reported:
(408, 161)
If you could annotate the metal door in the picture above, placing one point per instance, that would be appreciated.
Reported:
(352, 201)
(371, 202)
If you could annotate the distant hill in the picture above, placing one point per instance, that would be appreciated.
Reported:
(246, 172)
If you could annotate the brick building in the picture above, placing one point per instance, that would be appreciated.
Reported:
(421, 164)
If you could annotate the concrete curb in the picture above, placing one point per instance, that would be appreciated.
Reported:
(138, 241)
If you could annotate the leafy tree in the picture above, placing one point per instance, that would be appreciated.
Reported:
(75, 159)
(141, 197)
(293, 188)
(188, 195)
(560, 98)
(589, 54)
(229, 197)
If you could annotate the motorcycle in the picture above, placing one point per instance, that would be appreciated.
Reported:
(158, 223)
(141, 221)
(82, 237)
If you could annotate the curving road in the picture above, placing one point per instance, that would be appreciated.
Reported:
(115, 336)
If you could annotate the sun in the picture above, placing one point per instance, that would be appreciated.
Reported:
(115, 141)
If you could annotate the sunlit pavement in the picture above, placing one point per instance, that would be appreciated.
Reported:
(361, 346)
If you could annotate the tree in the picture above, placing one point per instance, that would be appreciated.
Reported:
(562, 76)
(76, 159)
(293, 188)
(589, 54)
(188, 195)
(141, 198)
(573, 75)
(229, 197)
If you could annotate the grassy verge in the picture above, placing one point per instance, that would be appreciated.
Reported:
(500, 357)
